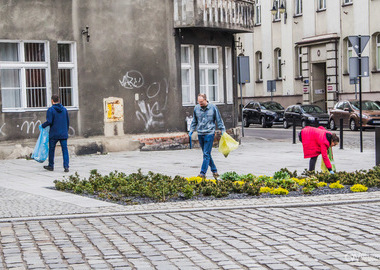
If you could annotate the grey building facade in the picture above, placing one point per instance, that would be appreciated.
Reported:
(119, 66)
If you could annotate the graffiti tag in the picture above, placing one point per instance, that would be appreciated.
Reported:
(132, 79)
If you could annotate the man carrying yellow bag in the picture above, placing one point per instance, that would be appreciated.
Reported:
(204, 118)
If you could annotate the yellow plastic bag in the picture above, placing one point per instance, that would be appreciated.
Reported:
(331, 158)
(227, 144)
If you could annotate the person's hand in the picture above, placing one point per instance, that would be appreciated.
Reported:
(332, 172)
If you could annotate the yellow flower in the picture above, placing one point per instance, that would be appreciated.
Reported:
(359, 188)
(321, 184)
(265, 189)
(279, 191)
(336, 185)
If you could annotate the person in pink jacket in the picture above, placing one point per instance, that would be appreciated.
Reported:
(316, 141)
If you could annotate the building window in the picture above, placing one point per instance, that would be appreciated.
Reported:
(24, 73)
(259, 66)
(345, 2)
(67, 74)
(229, 83)
(298, 7)
(187, 75)
(278, 65)
(378, 52)
(299, 61)
(349, 54)
(276, 5)
(210, 73)
(258, 12)
(321, 4)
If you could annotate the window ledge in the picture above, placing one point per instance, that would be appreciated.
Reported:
(347, 4)
(278, 80)
(189, 105)
(72, 108)
(276, 21)
(257, 24)
(346, 74)
(297, 15)
(259, 81)
(298, 78)
(375, 71)
(321, 10)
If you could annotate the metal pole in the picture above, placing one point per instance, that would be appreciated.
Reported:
(377, 145)
(294, 133)
(360, 96)
(356, 90)
(341, 133)
(241, 101)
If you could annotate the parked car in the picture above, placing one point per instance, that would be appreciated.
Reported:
(265, 113)
(348, 110)
(305, 115)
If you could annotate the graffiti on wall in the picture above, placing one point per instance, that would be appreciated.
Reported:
(1, 130)
(30, 127)
(150, 103)
(132, 79)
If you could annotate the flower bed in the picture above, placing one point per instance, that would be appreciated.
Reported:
(137, 188)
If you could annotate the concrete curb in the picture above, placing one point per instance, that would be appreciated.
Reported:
(195, 209)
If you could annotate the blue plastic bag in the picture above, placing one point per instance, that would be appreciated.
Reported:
(41, 150)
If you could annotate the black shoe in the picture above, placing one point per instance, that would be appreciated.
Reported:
(66, 170)
(48, 168)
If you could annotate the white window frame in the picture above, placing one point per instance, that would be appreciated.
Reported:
(258, 12)
(378, 52)
(190, 67)
(298, 7)
(212, 66)
(278, 55)
(259, 66)
(22, 65)
(299, 62)
(72, 65)
(277, 16)
(350, 52)
(321, 4)
(229, 78)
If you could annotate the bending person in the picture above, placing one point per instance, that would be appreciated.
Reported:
(316, 141)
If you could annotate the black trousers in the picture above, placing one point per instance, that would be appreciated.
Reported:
(312, 162)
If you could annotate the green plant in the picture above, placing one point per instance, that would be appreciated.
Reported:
(307, 190)
(188, 191)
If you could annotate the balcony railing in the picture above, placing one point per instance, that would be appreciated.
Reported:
(232, 15)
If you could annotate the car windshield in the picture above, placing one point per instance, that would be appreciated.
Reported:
(311, 109)
(366, 105)
(271, 106)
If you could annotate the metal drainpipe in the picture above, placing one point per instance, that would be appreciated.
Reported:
(336, 70)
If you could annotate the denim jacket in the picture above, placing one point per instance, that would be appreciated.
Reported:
(204, 120)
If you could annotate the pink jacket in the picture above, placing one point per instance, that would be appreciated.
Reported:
(314, 143)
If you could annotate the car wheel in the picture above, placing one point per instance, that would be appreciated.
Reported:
(303, 123)
(332, 124)
(269, 125)
(263, 122)
(286, 124)
(245, 122)
(353, 126)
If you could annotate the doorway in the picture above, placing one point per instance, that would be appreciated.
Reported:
(319, 93)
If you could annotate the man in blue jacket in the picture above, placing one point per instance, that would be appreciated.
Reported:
(58, 120)
(204, 117)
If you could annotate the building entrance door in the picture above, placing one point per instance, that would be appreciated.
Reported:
(318, 95)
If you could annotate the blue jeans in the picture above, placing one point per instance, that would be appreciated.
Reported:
(65, 152)
(206, 141)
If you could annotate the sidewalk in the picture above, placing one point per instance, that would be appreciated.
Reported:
(25, 187)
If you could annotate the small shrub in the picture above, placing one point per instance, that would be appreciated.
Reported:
(358, 188)
(336, 185)
(279, 191)
(265, 189)
(188, 191)
(322, 184)
(307, 190)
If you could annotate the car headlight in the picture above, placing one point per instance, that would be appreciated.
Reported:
(364, 116)
(311, 118)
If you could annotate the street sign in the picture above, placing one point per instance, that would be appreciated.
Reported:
(355, 43)
(271, 86)
(354, 80)
(243, 69)
(354, 67)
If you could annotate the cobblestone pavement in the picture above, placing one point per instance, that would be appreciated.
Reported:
(328, 237)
